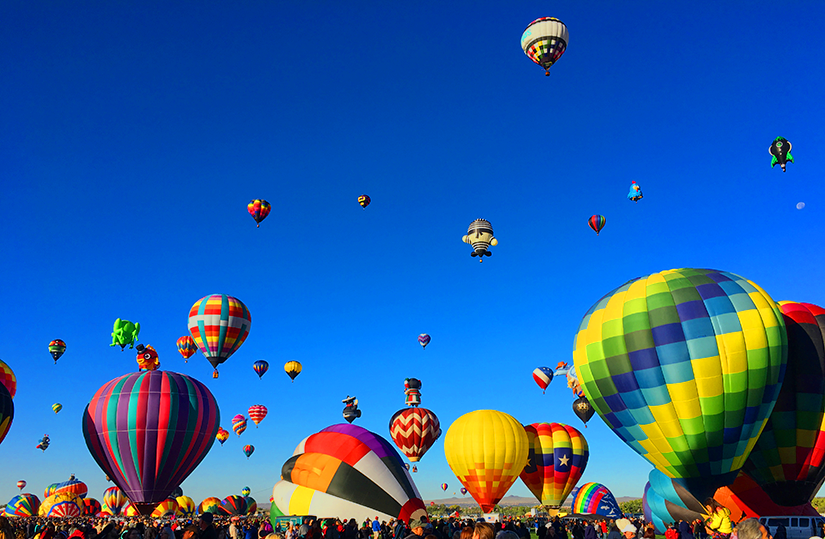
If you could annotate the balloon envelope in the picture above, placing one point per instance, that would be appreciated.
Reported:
(8, 378)
(23, 505)
(788, 460)
(114, 499)
(219, 325)
(424, 340)
(347, 470)
(6, 412)
(233, 505)
(186, 346)
(486, 450)
(73, 487)
(61, 506)
(257, 413)
(260, 367)
(293, 369)
(258, 209)
(166, 508)
(414, 431)
(556, 459)
(149, 430)
(595, 499)
(685, 366)
(544, 41)
(543, 376)
(210, 505)
(186, 506)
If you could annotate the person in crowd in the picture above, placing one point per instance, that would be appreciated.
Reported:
(417, 529)
(750, 528)
(718, 524)
(626, 528)
(482, 530)
(206, 527)
(685, 530)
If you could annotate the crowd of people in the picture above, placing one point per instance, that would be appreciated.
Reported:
(209, 526)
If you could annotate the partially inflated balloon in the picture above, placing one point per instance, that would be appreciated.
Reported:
(233, 505)
(219, 325)
(149, 430)
(114, 499)
(486, 450)
(61, 506)
(186, 347)
(258, 209)
(347, 470)
(23, 505)
(557, 457)
(73, 487)
(186, 506)
(257, 413)
(788, 460)
(260, 367)
(91, 507)
(166, 508)
(210, 505)
(414, 431)
(7, 378)
(129, 510)
(666, 501)
(595, 499)
(685, 366)
(293, 369)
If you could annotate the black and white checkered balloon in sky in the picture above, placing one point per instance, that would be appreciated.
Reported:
(480, 236)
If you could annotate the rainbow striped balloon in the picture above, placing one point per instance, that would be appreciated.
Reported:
(7, 378)
(166, 508)
(114, 499)
(210, 505)
(24, 505)
(61, 506)
(186, 506)
(219, 325)
(557, 458)
(595, 499)
(149, 430)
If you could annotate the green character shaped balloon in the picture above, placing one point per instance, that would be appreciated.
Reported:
(124, 333)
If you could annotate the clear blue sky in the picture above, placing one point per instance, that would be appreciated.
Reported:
(133, 134)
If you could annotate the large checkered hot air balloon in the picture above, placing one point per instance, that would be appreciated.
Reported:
(219, 325)
(486, 450)
(685, 366)
(347, 470)
(788, 460)
(556, 460)
(544, 41)
(149, 430)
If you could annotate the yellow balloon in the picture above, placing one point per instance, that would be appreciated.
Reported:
(486, 450)
(293, 369)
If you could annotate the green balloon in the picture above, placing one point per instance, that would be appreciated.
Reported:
(124, 333)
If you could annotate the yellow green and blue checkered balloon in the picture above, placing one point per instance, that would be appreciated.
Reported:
(685, 366)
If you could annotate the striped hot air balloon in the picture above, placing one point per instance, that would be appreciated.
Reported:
(219, 325)
(186, 347)
(233, 505)
(444, 486)
(129, 510)
(595, 499)
(543, 376)
(424, 340)
(21, 484)
(239, 424)
(114, 499)
(257, 413)
(260, 367)
(596, 222)
(557, 458)
(23, 505)
(210, 505)
(251, 505)
(73, 486)
(222, 435)
(61, 506)
(414, 431)
(186, 506)
(149, 430)
(248, 450)
(165, 509)
(258, 209)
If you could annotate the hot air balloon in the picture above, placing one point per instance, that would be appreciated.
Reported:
(480, 236)
(186, 347)
(583, 409)
(73, 486)
(56, 349)
(444, 486)
(175, 417)
(114, 499)
(424, 340)
(124, 333)
(210, 505)
(21, 484)
(177, 491)
(260, 367)
(56, 407)
(486, 450)
(258, 209)
(351, 411)
(246, 492)
(635, 193)
(186, 507)
(222, 435)
(412, 391)
(251, 505)
(239, 424)
(23, 505)
(233, 505)
(130, 510)
(557, 457)
(42, 443)
(788, 460)
(414, 431)
(543, 376)
(165, 509)
(463, 491)
(6, 411)
(595, 499)
(414, 469)
(293, 369)
(666, 498)
(596, 222)
(248, 450)
(684, 366)
(219, 325)
(347, 470)
(364, 201)
(61, 506)
(257, 413)
(780, 151)
(91, 507)
(7, 378)
(544, 41)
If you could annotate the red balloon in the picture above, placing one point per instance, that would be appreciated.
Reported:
(414, 430)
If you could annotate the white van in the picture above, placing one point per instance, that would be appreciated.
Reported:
(795, 527)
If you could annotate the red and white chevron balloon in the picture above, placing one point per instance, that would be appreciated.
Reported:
(414, 430)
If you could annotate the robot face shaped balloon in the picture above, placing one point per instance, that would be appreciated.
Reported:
(480, 236)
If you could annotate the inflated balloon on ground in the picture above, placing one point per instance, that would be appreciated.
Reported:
(595, 499)
(685, 366)
(556, 459)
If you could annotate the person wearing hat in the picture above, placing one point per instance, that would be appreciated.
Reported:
(417, 526)
(206, 527)
(627, 529)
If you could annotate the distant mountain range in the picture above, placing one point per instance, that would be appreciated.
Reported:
(467, 501)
